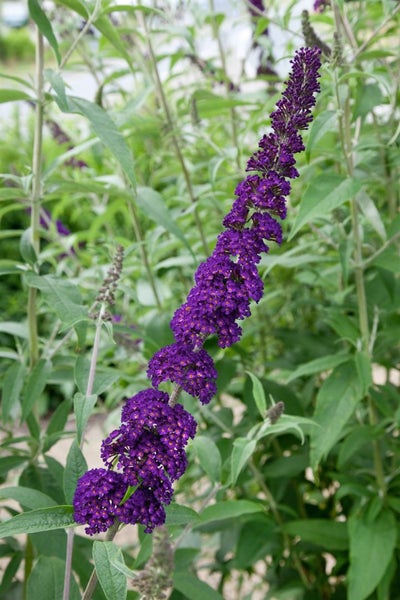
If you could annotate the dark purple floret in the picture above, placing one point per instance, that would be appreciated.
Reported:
(144, 508)
(193, 370)
(96, 499)
(150, 442)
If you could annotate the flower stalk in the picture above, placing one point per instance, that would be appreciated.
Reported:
(36, 192)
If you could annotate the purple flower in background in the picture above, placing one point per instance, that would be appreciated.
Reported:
(46, 221)
(321, 5)
(147, 452)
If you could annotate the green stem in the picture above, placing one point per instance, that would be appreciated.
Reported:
(143, 254)
(226, 81)
(277, 516)
(92, 583)
(175, 141)
(359, 263)
(89, 390)
(36, 195)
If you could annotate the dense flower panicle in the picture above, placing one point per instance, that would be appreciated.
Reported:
(96, 499)
(147, 451)
(193, 370)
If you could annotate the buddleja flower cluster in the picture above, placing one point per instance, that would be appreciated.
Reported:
(146, 454)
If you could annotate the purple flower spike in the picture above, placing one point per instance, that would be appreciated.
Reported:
(147, 451)
(193, 370)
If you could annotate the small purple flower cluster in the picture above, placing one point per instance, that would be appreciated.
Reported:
(146, 454)
(147, 451)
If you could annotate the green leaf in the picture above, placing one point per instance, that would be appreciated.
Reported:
(180, 515)
(44, 25)
(229, 509)
(59, 418)
(209, 456)
(330, 535)
(102, 23)
(372, 543)
(12, 386)
(12, 328)
(370, 211)
(27, 497)
(75, 467)
(322, 124)
(286, 424)
(107, 132)
(34, 387)
(111, 579)
(258, 394)
(319, 365)
(102, 381)
(12, 95)
(243, 448)
(58, 86)
(8, 463)
(26, 248)
(192, 588)
(83, 408)
(324, 194)
(43, 519)
(364, 370)
(338, 397)
(152, 204)
(46, 581)
(62, 297)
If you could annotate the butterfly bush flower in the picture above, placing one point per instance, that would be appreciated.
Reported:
(146, 454)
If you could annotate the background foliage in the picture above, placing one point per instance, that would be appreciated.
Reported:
(146, 116)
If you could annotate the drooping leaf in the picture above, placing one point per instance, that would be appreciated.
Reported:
(243, 448)
(27, 497)
(209, 456)
(338, 397)
(331, 535)
(229, 509)
(83, 408)
(75, 467)
(13, 95)
(107, 131)
(152, 204)
(112, 581)
(12, 387)
(34, 387)
(258, 394)
(44, 25)
(46, 581)
(194, 589)
(322, 124)
(372, 542)
(319, 365)
(180, 515)
(324, 194)
(103, 378)
(61, 296)
(43, 519)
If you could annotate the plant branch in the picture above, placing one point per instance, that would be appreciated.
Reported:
(175, 141)
(36, 194)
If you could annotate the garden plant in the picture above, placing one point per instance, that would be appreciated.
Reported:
(200, 235)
